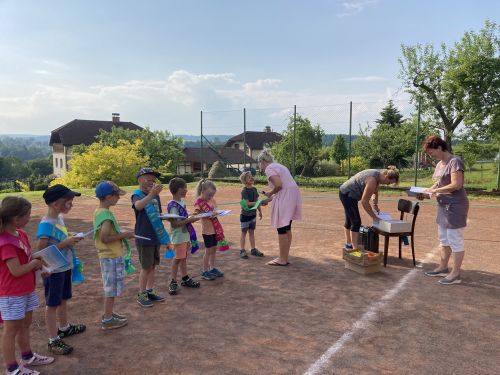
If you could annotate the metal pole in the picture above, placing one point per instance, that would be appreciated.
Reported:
(417, 161)
(201, 142)
(244, 138)
(293, 151)
(350, 142)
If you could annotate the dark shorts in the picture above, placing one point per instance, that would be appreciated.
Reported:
(285, 229)
(248, 222)
(149, 256)
(210, 240)
(57, 288)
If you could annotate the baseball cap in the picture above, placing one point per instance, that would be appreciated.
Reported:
(58, 191)
(148, 170)
(108, 188)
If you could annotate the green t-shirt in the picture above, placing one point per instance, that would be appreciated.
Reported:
(180, 234)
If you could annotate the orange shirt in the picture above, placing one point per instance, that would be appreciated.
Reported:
(206, 224)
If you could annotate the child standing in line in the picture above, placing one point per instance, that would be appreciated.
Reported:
(213, 234)
(52, 231)
(18, 298)
(182, 233)
(110, 242)
(248, 218)
(147, 208)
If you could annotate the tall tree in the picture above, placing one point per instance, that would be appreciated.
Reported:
(339, 150)
(457, 84)
(308, 142)
(390, 115)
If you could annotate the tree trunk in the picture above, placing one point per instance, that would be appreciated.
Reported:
(447, 138)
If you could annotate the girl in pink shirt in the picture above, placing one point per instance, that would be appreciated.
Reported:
(18, 298)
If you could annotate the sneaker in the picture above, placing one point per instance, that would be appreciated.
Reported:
(143, 300)
(59, 347)
(21, 370)
(216, 272)
(172, 288)
(455, 280)
(113, 323)
(73, 329)
(206, 275)
(243, 254)
(348, 246)
(441, 273)
(256, 253)
(190, 283)
(155, 297)
(118, 316)
(37, 360)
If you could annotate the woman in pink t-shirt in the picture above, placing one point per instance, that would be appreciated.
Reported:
(286, 205)
(18, 298)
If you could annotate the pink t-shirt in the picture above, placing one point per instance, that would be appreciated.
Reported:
(207, 227)
(9, 284)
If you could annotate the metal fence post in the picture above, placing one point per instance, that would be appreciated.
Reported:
(417, 161)
(293, 151)
(350, 142)
(244, 138)
(201, 143)
(498, 172)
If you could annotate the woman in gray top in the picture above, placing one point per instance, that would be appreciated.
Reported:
(453, 207)
(361, 187)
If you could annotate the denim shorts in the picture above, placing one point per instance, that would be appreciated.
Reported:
(57, 288)
(16, 307)
(113, 273)
(248, 222)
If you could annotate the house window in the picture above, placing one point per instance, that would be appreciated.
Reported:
(237, 146)
(61, 162)
(56, 162)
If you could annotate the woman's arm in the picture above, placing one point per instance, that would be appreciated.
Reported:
(457, 182)
(375, 201)
(370, 188)
(278, 185)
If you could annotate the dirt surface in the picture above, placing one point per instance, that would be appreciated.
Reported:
(259, 319)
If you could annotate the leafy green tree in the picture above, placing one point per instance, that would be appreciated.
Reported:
(40, 167)
(457, 84)
(163, 149)
(339, 149)
(469, 151)
(390, 115)
(308, 142)
(99, 162)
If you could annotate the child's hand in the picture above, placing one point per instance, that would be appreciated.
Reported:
(45, 274)
(156, 190)
(128, 235)
(39, 263)
(192, 218)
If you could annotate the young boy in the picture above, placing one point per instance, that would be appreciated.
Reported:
(182, 234)
(52, 231)
(147, 207)
(110, 242)
(248, 218)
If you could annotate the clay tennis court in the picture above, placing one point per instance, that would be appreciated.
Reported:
(312, 317)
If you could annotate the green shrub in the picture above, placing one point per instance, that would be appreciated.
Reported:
(218, 170)
(326, 168)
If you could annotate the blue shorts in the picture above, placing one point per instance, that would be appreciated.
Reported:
(57, 288)
(113, 271)
(16, 307)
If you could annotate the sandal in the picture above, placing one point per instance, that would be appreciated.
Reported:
(190, 283)
(73, 329)
(37, 360)
(276, 263)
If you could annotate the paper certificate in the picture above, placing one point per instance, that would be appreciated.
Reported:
(53, 257)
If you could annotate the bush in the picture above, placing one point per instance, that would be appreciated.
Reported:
(326, 168)
(166, 177)
(218, 170)
(358, 164)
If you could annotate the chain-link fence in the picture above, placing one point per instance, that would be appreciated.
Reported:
(250, 129)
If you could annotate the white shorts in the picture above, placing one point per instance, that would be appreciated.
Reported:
(454, 238)
(16, 307)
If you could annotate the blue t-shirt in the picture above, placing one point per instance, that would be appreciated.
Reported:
(68, 254)
(143, 226)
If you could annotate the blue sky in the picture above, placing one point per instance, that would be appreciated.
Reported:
(159, 63)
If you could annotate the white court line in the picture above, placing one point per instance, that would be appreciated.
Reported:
(364, 322)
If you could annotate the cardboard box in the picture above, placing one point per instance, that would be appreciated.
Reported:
(393, 226)
(364, 262)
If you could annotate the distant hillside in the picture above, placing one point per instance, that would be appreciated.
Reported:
(194, 140)
(25, 146)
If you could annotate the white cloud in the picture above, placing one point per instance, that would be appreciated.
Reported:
(43, 72)
(352, 7)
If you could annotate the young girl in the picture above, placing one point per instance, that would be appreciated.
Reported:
(18, 298)
(213, 234)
